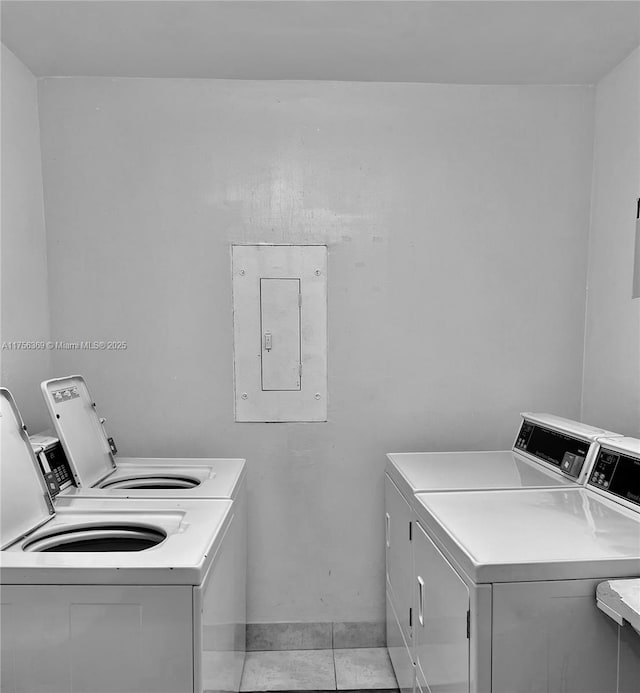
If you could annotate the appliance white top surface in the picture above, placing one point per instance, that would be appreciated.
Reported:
(218, 478)
(542, 534)
(458, 471)
(194, 530)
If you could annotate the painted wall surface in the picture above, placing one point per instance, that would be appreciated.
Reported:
(456, 219)
(25, 304)
(611, 395)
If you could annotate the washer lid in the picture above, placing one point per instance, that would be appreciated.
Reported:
(79, 429)
(24, 500)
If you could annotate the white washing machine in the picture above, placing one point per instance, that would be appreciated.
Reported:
(87, 467)
(505, 583)
(107, 596)
(549, 451)
(92, 467)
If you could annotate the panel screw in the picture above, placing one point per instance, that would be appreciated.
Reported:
(317, 395)
(317, 273)
(242, 272)
(244, 395)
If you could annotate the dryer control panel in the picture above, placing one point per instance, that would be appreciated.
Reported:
(52, 462)
(617, 473)
(565, 452)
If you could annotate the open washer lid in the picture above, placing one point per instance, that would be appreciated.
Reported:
(79, 429)
(24, 500)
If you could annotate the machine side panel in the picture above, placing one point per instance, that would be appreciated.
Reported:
(241, 510)
(97, 639)
(481, 597)
(629, 660)
(398, 515)
(399, 653)
(220, 612)
(421, 683)
(551, 636)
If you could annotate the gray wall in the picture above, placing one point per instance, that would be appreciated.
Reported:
(24, 304)
(611, 394)
(456, 219)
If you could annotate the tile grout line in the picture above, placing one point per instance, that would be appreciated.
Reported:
(333, 657)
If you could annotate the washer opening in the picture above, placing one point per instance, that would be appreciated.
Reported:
(98, 539)
(167, 481)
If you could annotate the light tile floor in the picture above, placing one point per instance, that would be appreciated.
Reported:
(363, 669)
(318, 670)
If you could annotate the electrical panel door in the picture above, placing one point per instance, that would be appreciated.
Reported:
(280, 303)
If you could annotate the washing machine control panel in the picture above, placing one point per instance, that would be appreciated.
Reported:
(562, 451)
(52, 462)
(618, 474)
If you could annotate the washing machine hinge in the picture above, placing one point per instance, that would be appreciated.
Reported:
(468, 624)
(410, 531)
(49, 503)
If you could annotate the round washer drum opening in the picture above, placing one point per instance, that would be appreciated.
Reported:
(153, 482)
(98, 539)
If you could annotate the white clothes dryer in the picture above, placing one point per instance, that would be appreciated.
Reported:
(505, 583)
(109, 596)
(548, 451)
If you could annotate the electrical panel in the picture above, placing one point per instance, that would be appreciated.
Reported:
(280, 332)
